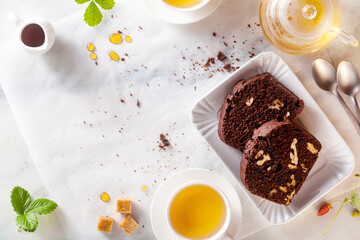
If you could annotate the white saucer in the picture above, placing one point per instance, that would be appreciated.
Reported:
(159, 224)
(160, 10)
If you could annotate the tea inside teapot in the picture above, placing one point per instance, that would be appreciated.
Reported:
(302, 26)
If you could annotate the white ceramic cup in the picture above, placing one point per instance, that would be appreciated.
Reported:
(222, 232)
(188, 9)
(46, 26)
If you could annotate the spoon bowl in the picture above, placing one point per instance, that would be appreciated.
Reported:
(324, 75)
(348, 78)
(349, 82)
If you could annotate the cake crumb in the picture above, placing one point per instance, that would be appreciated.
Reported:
(221, 57)
(164, 141)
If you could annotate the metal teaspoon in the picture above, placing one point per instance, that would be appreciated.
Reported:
(325, 77)
(349, 82)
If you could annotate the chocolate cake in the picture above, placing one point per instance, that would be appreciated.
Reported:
(253, 103)
(277, 160)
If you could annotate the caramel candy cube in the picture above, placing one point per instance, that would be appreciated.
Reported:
(105, 224)
(128, 224)
(123, 206)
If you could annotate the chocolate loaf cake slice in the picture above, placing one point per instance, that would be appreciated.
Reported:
(253, 103)
(277, 160)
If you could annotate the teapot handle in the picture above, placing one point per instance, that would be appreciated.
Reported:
(344, 37)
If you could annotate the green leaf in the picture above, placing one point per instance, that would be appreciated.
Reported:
(20, 199)
(354, 200)
(106, 4)
(41, 206)
(92, 15)
(81, 1)
(27, 221)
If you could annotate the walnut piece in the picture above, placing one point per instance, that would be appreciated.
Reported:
(293, 182)
(265, 158)
(284, 189)
(249, 101)
(294, 156)
(277, 104)
(269, 168)
(289, 197)
(272, 192)
(304, 168)
(311, 148)
(259, 154)
(287, 114)
(290, 166)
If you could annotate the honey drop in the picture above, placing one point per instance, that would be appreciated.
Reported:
(128, 39)
(93, 56)
(115, 38)
(144, 188)
(91, 47)
(114, 56)
(104, 197)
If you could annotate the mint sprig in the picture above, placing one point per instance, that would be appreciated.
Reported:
(26, 209)
(93, 15)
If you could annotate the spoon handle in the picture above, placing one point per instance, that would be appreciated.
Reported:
(348, 111)
(357, 109)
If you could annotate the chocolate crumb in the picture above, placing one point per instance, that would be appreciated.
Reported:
(122, 100)
(96, 63)
(138, 103)
(119, 32)
(227, 67)
(122, 59)
(164, 141)
(221, 57)
(210, 60)
(214, 34)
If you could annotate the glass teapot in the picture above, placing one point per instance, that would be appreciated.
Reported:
(302, 26)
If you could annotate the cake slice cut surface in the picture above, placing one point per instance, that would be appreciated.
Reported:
(253, 103)
(277, 160)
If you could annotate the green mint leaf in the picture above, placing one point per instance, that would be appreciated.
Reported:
(81, 1)
(28, 222)
(106, 4)
(354, 200)
(41, 206)
(92, 15)
(20, 199)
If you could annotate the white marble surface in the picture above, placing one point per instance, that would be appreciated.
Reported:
(12, 170)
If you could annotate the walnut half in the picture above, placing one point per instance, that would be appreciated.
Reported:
(277, 104)
(249, 101)
(311, 148)
(294, 156)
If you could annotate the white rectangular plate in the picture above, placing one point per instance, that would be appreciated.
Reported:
(335, 162)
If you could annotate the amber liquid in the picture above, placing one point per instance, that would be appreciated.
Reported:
(183, 3)
(197, 211)
(33, 35)
(293, 30)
